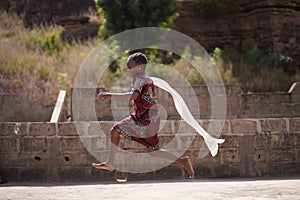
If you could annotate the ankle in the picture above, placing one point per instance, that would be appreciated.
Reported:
(108, 163)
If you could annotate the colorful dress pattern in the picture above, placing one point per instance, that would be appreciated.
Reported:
(142, 125)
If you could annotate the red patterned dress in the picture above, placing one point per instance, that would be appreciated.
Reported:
(142, 125)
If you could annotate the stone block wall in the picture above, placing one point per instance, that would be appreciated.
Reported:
(14, 108)
(55, 152)
(277, 104)
(284, 104)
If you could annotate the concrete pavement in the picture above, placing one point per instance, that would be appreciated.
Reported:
(212, 189)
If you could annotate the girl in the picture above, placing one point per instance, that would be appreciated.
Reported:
(143, 124)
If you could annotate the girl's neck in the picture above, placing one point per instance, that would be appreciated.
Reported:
(140, 74)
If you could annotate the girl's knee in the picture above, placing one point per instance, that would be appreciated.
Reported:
(114, 131)
(152, 151)
(149, 149)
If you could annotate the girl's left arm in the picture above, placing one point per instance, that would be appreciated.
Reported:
(125, 96)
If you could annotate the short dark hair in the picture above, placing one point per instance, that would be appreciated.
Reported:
(138, 58)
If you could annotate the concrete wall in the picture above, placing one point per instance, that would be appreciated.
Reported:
(285, 104)
(14, 108)
(54, 152)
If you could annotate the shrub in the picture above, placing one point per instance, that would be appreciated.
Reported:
(121, 15)
(52, 43)
(255, 69)
(36, 61)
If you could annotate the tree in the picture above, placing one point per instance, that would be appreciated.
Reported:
(121, 15)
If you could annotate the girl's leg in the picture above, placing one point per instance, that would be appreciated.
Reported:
(109, 164)
(184, 161)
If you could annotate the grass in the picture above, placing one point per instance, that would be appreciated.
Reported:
(35, 61)
(255, 70)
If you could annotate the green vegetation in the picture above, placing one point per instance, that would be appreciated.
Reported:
(121, 15)
(36, 61)
(255, 70)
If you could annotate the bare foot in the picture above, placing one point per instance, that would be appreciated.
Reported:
(104, 166)
(188, 166)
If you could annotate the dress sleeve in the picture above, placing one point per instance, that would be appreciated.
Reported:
(138, 84)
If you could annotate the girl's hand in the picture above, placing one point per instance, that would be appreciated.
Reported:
(102, 96)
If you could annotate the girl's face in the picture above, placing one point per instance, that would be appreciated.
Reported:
(134, 68)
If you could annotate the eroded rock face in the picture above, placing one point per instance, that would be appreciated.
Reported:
(270, 24)
(77, 28)
(71, 14)
(46, 11)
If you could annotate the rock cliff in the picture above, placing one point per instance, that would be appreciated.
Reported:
(69, 13)
(272, 25)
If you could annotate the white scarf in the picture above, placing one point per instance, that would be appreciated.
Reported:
(184, 112)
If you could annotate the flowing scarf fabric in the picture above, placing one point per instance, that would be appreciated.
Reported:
(184, 112)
